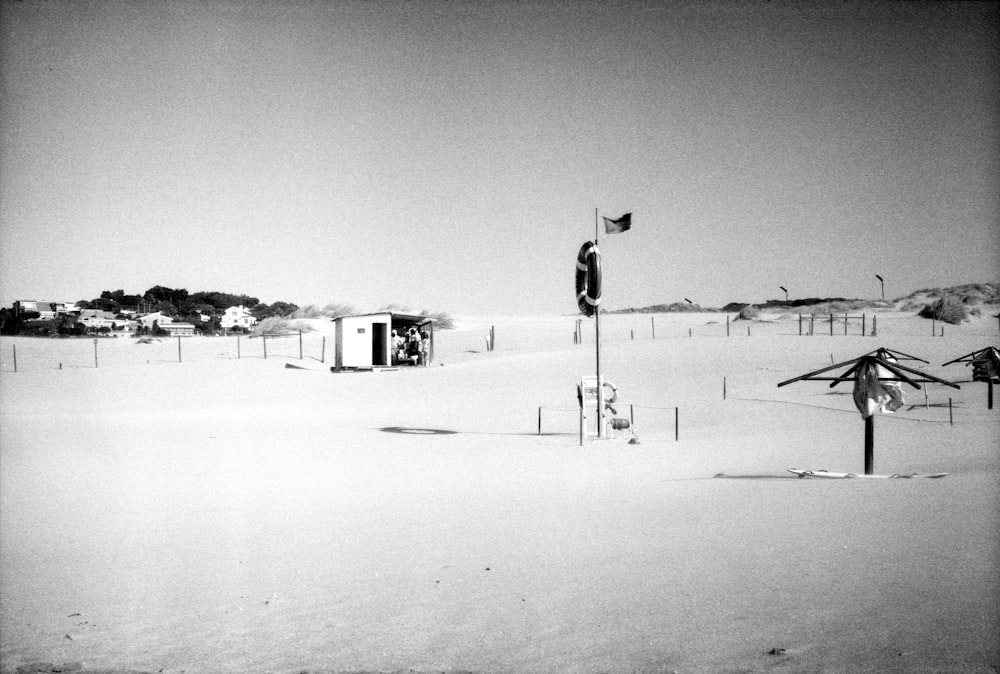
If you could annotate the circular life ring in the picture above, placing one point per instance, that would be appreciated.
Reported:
(588, 278)
(614, 393)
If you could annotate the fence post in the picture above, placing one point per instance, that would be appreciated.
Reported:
(652, 320)
(95, 352)
(727, 325)
(238, 355)
(874, 325)
(300, 345)
(845, 325)
(179, 359)
(723, 388)
(14, 346)
(800, 325)
(831, 325)
(864, 324)
(951, 417)
(539, 420)
(264, 338)
(322, 351)
(677, 424)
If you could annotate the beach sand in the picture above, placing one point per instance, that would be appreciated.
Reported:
(195, 507)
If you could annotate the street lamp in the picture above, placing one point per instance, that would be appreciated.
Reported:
(882, 281)
(786, 292)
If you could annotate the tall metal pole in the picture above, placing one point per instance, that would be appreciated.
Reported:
(870, 445)
(597, 341)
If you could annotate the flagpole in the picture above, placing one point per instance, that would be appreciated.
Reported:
(597, 342)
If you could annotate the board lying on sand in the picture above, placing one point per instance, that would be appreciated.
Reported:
(829, 475)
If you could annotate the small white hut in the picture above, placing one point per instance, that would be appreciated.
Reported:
(365, 341)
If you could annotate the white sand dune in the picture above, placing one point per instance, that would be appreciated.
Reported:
(203, 512)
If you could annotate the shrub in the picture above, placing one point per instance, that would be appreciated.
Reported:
(276, 326)
(748, 313)
(338, 309)
(442, 319)
(949, 309)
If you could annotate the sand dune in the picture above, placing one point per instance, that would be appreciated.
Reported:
(212, 511)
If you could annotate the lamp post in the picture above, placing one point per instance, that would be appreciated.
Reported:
(786, 292)
(882, 282)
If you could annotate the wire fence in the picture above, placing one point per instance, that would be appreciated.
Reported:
(23, 354)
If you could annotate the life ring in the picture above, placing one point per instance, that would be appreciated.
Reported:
(588, 278)
(614, 393)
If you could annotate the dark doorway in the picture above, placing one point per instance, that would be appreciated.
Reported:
(379, 347)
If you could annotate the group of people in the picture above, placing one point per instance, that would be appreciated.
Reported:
(413, 348)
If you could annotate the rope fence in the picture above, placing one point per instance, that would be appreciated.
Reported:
(631, 414)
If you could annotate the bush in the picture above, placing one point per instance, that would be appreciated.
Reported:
(748, 313)
(276, 326)
(949, 309)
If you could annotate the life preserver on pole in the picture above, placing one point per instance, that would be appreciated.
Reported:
(588, 278)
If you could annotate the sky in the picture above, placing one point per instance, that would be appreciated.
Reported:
(454, 156)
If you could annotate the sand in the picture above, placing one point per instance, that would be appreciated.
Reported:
(215, 511)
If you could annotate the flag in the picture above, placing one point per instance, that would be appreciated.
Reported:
(622, 224)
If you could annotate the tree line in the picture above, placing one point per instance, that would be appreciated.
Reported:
(176, 303)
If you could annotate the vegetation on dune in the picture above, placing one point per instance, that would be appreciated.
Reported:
(968, 294)
(279, 326)
(949, 309)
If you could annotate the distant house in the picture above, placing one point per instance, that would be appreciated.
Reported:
(237, 317)
(167, 324)
(97, 319)
(44, 309)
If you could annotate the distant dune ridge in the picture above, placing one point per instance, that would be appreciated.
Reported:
(973, 295)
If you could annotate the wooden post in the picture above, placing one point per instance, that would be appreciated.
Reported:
(237, 346)
(869, 444)
(933, 327)
(14, 346)
(539, 420)
(677, 424)
(652, 321)
(748, 331)
(264, 339)
(951, 416)
(864, 322)
(300, 345)
(800, 325)
(95, 353)
(727, 325)
(812, 324)
(322, 352)
(179, 359)
(723, 388)
(845, 325)
(631, 414)
(831, 325)
(689, 332)
(874, 325)
(989, 394)
(632, 333)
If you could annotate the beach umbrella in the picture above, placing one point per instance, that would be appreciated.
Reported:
(985, 367)
(878, 378)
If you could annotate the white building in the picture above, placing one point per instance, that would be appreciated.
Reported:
(237, 317)
(365, 342)
(167, 324)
